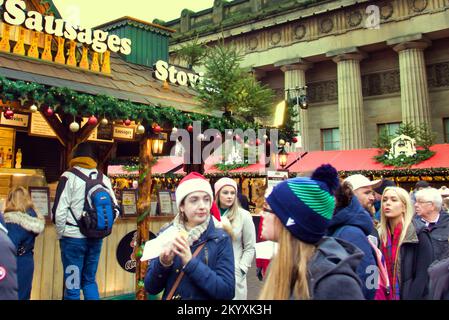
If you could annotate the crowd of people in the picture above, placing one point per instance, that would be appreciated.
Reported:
(354, 239)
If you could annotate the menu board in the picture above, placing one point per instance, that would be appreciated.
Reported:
(129, 202)
(101, 133)
(18, 120)
(165, 203)
(40, 196)
(40, 127)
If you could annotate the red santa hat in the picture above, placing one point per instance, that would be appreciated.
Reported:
(194, 182)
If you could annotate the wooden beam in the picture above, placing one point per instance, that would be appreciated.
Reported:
(62, 133)
(143, 205)
(85, 132)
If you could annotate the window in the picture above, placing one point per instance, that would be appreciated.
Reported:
(330, 139)
(446, 130)
(390, 128)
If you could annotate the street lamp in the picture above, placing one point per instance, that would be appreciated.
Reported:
(283, 156)
(298, 96)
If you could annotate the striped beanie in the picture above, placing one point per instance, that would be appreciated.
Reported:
(305, 205)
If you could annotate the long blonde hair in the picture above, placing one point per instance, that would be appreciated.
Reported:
(287, 274)
(406, 219)
(18, 200)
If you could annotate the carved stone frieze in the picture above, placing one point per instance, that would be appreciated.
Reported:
(354, 18)
(322, 91)
(438, 75)
(253, 43)
(299, 31)
(326, 25)
(381, 83)
(275, 37)
(418, 5)
(386, 10)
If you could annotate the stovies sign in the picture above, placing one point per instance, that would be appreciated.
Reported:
(14, 13)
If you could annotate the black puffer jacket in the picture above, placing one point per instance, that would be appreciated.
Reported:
(332, 271)
(8, 267)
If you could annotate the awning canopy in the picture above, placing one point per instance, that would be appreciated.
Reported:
(363, 159)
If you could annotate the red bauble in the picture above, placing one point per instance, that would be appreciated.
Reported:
(157, 129)
(9, 114)
(294, 140)
(190, 128)
(93, 120)
(258, 141)
(238, 139)
(127, 122)
(49, 112)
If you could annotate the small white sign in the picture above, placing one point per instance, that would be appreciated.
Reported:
(275, 177)
(18, 120)
(123, 133)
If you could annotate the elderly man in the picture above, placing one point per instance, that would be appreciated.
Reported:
(428, 207)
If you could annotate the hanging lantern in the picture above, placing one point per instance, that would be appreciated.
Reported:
(104, 122)
(74, 126)
(140, 129)
(92, 120)
(49, 112)
(127, 122)
(33, 108)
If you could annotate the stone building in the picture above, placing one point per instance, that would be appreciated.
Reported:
(368, 65)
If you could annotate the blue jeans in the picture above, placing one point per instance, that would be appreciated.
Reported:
(80, 261)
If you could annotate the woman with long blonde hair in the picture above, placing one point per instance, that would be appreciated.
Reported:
(307, 264)
(24, 225)
(395, 229)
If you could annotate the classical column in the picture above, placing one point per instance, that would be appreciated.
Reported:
(295, 76)
(414, 89)
(350, 100)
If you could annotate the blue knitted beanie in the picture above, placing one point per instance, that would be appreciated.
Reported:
(305, 205)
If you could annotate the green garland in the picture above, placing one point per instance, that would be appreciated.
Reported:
(67, 101)
(404, 161)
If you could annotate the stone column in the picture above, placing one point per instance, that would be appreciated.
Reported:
(295, 76)
(414, 88)
(350, 100)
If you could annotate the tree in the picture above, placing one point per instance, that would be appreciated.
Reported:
(426, 137)
(408, 129)
(229, 88)
(193, 53)
(383, 140)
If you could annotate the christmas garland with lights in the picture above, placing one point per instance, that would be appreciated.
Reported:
(63, 100)
(403, 160)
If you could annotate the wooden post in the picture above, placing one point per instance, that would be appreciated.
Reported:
(190, 166)
(143, 205)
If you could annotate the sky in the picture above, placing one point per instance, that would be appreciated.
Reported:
(90, 13)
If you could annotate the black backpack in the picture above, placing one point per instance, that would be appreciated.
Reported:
(99, 210)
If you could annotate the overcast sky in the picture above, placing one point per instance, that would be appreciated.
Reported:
(90, 13)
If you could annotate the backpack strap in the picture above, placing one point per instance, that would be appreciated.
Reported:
(181, 275)
(79, 174)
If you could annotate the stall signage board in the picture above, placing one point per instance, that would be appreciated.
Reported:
(123, 133)
(102, 133)
(275, 177)
(18, 120)
(40, 127)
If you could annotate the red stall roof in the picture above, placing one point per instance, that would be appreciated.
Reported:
(363, 159)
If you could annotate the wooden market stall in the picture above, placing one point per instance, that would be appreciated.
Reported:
(54, 92)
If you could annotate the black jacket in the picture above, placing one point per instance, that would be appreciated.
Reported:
(439, 280)
(8, 267)
(332, 271)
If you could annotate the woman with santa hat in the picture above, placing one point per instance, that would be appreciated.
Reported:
(243, 231)
(199, 264)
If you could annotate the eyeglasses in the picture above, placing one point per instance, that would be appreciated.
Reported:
(422, 202)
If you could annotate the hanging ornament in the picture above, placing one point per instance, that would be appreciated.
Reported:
(174, 130)
(265, 136)
(295, 140)
(218, 136)
(104, 122)
(258, 142)
(246, 145)
(140, 129)
(229, 133)
(9, 114)
(287, 144)
(200, 137)
(282, 142)
(92, 120)
(49, 112)
(74, 126)
(238, 139)
(190, 128)
(157, 129)
(127, 122)
(33, 108)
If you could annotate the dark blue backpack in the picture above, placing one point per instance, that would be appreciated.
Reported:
(99, 210)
